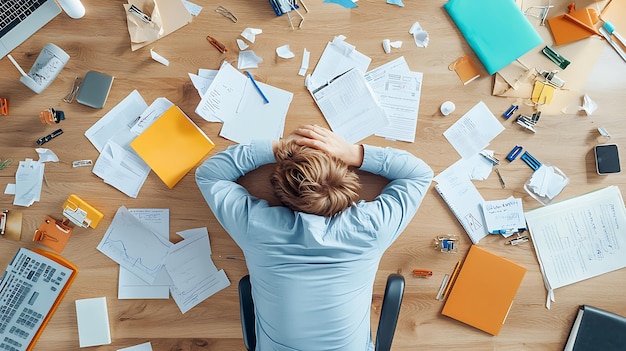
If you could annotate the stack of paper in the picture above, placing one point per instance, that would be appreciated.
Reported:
(232, 98)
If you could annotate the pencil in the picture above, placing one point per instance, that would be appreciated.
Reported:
(257, 88)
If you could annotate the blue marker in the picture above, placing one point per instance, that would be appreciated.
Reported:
(257, 88)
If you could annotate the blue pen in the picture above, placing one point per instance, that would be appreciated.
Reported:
(508, 231)
(257, 88)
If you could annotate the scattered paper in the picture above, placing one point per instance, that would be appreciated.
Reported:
(474, 131)
(589, 106)
(419, 35)
(46, 155)
(285, 52)
(396, 2)
(158, 58)
(306, 56)
(248, 59)
(241, 44)
(388, 44)
(201, 83)
(193, 9)
(147, 346)
(28, 182)
(251, 33)
(547, 182)
(504, 215)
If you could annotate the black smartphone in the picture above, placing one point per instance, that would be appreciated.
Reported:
(607, 159)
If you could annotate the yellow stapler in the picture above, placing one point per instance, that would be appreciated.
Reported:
(81, 213)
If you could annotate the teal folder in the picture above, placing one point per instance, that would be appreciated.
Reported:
(496, 30)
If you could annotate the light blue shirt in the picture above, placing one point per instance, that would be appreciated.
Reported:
(312, 276)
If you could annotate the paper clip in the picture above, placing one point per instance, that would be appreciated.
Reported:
(543, 13)
(447, 243)
(4, 107)
(219, 46)
(137, 12)
(510, 111)
(422, 273)
(514, 153)
(502, 183)
(530, 161)
(224, 12)
(555, 57)
(73, 91)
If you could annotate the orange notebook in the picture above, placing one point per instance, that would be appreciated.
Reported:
(466, 68)
(483, 290)
(172, 145)
(576, 25)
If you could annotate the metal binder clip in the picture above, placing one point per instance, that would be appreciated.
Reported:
(530, 161)
(543, 13)
(137, 12)
(552, 79)
(518, 240)
(226, 13)
(555, 57)
(282, 7)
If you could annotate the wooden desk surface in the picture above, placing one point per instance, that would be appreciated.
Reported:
(100, 41)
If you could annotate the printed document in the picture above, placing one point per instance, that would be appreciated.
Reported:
(474, 131)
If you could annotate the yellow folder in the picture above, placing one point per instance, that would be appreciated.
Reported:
(483, 290)
(172, 145)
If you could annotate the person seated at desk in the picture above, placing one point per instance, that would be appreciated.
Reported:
(312, 262)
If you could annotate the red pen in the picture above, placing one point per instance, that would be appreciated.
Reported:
(422, 273)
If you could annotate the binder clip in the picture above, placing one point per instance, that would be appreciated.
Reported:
(530, 161)
(551, 78)
(282, 7)
(528, 122)
(518, 240)
(555, 57)
(81, 213)
(514, 153)
(11, 225)
(53, 233)
(447, 243)
(510, 111)
(4, 107)
(51, 116)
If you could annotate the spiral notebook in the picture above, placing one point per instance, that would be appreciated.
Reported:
(465, 202)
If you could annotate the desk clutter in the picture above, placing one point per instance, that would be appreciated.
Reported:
(135, 137)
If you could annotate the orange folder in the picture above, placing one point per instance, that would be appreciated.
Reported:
(483, 290)
(172, 145)
(573, 26)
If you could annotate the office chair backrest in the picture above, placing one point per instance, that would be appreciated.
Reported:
(389, 312)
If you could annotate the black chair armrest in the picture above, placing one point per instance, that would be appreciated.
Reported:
(246, 310)
(389, 312)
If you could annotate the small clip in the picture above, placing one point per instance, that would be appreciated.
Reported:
(447, 243)
(219, 46)
(494, 161)
(543, 13)
(4, 107)
(73, 91)
(224, 12)
(510, 111)
(422, 273)
(51, 115)
(514, 153)
(518, 240)
(530, 161)
(502, 183)
(552, 79)
(3, 221)
(526, 122)
(137, 12)
(555, 57)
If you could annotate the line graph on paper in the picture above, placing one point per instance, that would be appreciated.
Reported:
(134, 246)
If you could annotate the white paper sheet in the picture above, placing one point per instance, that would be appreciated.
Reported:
(147, 346)
(474, 131)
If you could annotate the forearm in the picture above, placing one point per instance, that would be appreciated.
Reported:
(235, 161)
(395, 164)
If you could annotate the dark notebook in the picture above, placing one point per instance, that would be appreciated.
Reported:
(596, 329)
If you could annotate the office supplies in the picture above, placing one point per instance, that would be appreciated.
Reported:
(465, 68)
(422, 273)
(494, 161)
(447, 108)
(11, 227)
(3, 221)
(46, 68)
(574, 25)
(604, 132)
(543, 13)
(483, 290)
(4, 163)
(555, 57)
(71, 95)
(607, 158)
(447, 243)
(172, 145)
(490, 27)
(551, 78)
(226, 13)
(21, 19)
(93, 322)
(514, 153)
(94, 89)
(34, 283)
(166, 16)
(576, 218)
(546, 183)
(4, 107)
(81, 213)
(474, 130)
(51, 115)
(49, 137)
(510, 111)
(464, 201)
(608, 32)
(530, 161)
(53, 233)
(137, 12)
(596, 329)
(442, 287)
(526, 122)
(282, 7)
(518, 240)
(219, 46)
(82, 163)
(502, 183)
(256, 86)
(504, 217)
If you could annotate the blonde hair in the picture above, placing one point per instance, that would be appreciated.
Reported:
(311, 181)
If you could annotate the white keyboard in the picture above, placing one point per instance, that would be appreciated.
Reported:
(29, 288)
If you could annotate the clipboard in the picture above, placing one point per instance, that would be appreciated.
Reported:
(81, 213)
(53, 233)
